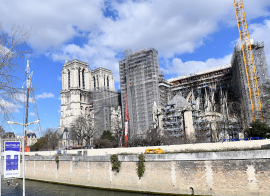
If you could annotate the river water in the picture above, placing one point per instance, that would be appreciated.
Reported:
(35, 188)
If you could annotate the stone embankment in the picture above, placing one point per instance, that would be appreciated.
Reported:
(218, 146)
(201, 173)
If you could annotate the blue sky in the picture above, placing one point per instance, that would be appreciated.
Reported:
(189, 35)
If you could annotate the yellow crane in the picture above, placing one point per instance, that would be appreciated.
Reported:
(249, 61)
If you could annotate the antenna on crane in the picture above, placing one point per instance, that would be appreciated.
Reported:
(249, 61)
(126, 119)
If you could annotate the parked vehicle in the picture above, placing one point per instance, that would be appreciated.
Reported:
(69, 148)
(153, 151)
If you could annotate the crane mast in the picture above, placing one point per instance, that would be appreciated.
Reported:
(249, 61)
(28, 85)
(126, 119)
(29, 90)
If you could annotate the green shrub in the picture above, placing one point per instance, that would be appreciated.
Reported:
(116, 164)
(56, 159)
(107, 135)
(258, 129)
(141, 167)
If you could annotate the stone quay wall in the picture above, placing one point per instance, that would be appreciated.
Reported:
(205, 173)
(218, 146)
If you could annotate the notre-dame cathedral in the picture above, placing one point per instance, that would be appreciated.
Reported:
(84, 92)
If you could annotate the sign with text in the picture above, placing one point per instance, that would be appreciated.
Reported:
(12, 159)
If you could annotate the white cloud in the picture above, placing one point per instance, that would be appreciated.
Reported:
(11, 107)
(22, 98)
(52, 22)
(173, 27)
(178, 67)
(257, 32)
(45, 95)
(31, 114)
(59, 78)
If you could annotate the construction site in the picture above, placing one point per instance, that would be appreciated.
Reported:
(206, 106)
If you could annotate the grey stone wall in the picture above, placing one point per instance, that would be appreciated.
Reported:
(207, 173)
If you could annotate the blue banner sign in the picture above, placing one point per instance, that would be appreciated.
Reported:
(12, 159)
(12, 146)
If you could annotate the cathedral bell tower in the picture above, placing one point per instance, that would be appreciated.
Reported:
(76, 85)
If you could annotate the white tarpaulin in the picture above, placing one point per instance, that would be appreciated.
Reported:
(12, 159)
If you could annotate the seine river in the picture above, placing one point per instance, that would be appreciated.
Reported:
(34, 188)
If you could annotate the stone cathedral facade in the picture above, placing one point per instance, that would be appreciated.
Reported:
(84, 92)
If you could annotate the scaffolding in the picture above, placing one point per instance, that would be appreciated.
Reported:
(141, 69)
(250, 68)
(102, 103)
(241, 83)
(165, 93)
(212, 78)
(173, 121)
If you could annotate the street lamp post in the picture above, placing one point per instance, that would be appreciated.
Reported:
(23, 148)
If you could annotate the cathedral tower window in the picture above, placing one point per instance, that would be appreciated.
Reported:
(104, 82)
(108, 83)
(83, 82)
(79, 76)
(68, 79)
(94, 81)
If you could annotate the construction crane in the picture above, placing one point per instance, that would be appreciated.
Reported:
(29, 90)
(249, 61)
(126, 119)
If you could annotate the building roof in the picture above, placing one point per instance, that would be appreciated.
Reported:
(201, 72)
(31, 135)
(179, 101)
(75, 61)
(101, 69)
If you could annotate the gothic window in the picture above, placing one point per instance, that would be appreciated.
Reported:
(86, 111)
(79, 77)
(104, 82)
(68, 79)
(108, 84)
(94, 81)
(83, 82)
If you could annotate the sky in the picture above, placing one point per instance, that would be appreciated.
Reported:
(190, 36)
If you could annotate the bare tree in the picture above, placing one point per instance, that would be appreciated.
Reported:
(51, 139)
(12, 49)
(83, 129)
(117, 130)
(2, 131)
